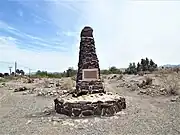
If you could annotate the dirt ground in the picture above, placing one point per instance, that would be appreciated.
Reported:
(28, 114)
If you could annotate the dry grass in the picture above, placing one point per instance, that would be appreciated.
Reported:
(147, 81)
(73, 78)
(171, 83)
(120, 77)
(68, 84)
(46, 84)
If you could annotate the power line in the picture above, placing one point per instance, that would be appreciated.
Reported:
(16, 66)
(19, 65)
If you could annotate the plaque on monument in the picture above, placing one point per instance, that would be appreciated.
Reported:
(90, 74)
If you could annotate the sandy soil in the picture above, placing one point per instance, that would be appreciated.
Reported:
(145, 115)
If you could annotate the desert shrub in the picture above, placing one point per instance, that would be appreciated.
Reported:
(163, 71)
(70, 72)
(148, 81)
(120, 77)
(2, 80)
(73, 78)
(140, 73)
(7, 78)
(68, 84)
(1, 75)
(171, 83)
(111, 70)
(173, 89)
(46, 84)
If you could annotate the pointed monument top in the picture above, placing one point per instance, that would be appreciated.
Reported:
(87, 31)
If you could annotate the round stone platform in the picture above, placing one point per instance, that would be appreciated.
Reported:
(93, 104)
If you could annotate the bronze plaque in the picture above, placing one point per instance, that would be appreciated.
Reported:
(90, 74)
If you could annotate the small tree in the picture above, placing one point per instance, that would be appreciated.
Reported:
(18, 71)
(144, 65)
(114, 70)
(22, 72)
(138, 67)
(131, 69)
(153, 66)
(70, 72)
(147, 64)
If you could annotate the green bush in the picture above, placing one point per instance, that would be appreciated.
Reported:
(111, 70)
(144, 65)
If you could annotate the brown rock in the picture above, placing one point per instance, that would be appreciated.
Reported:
(87, 113)
(76, 111)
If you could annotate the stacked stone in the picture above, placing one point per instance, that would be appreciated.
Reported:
(87, 60)
(89, 108)
(90, 87)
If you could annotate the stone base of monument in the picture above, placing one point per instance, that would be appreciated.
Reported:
(91, 87)
(98, 104)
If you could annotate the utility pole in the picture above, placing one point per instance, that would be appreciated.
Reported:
(29, 72)
(10, 70)
(15, 68)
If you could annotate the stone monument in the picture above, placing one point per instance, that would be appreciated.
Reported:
(89, 97)
(88, 75)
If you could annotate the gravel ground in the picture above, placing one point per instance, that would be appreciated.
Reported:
(145, 115)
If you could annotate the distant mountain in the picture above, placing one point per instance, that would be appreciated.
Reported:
(171, 66)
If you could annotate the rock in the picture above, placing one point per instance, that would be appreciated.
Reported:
(28, 122)
(129, 85)
(76, 111)
(65, 91)
(142, 91)
(109, 93)
(163, 89)
(175, 99)
(85, 121)
(39, 94)
(10, 88)
(87, 113)
(24, 93)
(20, 89)
(97, 111)
(56, 119)
(133, 88)
(55, 123)
(30, 80)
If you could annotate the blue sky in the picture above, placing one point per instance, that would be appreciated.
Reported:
(44, 34)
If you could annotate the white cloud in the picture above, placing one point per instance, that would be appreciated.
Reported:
(51, 61)
(126, 31)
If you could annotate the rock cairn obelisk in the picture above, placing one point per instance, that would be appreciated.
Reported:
(88, 60)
